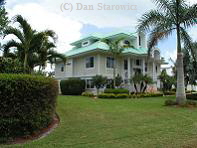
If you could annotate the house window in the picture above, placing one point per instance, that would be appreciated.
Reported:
(140, 43)
(156, 68)
(90, 62)
(125, 64)
(110, 62)
(138, 62)
(137, 71)
(62, 68)
(146, 67)
(86, 43)
(89, 84)
(126, 42)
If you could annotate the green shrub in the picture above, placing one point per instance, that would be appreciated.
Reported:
(27, 104)
(8, 65)
(113, 96)
(106, 96)
(146, 95)
(72, 86)
(87, 94)
(170, 103)
(122, 96)
(117, 91)
(192, 96)
(169, 93)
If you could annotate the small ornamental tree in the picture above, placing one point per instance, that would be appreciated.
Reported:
(118, 80)
(167, 81)
(99, 82)
(142, 81)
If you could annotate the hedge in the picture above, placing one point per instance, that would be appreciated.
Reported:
(112, 95)
(72, 86)
(192, 96)
(117, 91)
(27, 104)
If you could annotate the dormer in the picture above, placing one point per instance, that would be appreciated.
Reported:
(85, 42)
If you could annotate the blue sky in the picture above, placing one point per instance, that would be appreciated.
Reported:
(71, 26)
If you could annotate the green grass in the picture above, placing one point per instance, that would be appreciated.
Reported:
(140, 123)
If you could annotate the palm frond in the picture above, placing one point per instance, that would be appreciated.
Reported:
(151, 19)
(159, 33)
(11, 44)
(24, 25)
(15, 32)
(188, 44)
(165, 6)
(189, 18)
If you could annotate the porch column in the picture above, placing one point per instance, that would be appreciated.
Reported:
(129, 67)
(143, 66)
(99, 64)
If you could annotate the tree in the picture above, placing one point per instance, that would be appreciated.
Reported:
(171, 15)
(32, 48)
(142, 81)
(167, 81)
(116, 50)
(99, 82)
(118, 80)
(190, 66)
(4, 21)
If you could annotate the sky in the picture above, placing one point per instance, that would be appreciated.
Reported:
(71, 25)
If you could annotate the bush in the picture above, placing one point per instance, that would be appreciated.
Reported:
(87, 94)
(169, 93)
(113, 96)
(72, 86)
(27, 104)
(117, 91)
(106, 96)
(170, 103)
(192, 96)
(8, 65)
(122, 96)
(146, 95)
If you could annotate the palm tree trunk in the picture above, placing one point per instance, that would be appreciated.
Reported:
(25, 63)
(114, 72)
(180, 91)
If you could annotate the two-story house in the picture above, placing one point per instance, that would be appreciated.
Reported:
(90, 56)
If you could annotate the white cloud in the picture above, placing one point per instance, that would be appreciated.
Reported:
(67, 29)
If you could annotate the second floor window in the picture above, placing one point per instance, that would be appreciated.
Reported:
(90, 62)
(140, 43)
(138, 62)
(125, 64)
(110, 62)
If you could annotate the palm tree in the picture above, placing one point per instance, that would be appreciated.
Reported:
(25, 35)
(171, 15)
(32, 48)
(116, 50)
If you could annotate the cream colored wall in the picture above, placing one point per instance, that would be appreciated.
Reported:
(79, 66)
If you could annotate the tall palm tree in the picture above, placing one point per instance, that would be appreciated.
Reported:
(116, 50)
(25, 35)
(171, 15)
(31, 46)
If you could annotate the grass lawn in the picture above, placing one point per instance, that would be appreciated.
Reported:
(141, 123)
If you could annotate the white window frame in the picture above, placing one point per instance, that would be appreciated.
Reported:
(111, 67)
(93, 62)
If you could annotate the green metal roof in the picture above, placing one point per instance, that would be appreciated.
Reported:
(103, 46)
